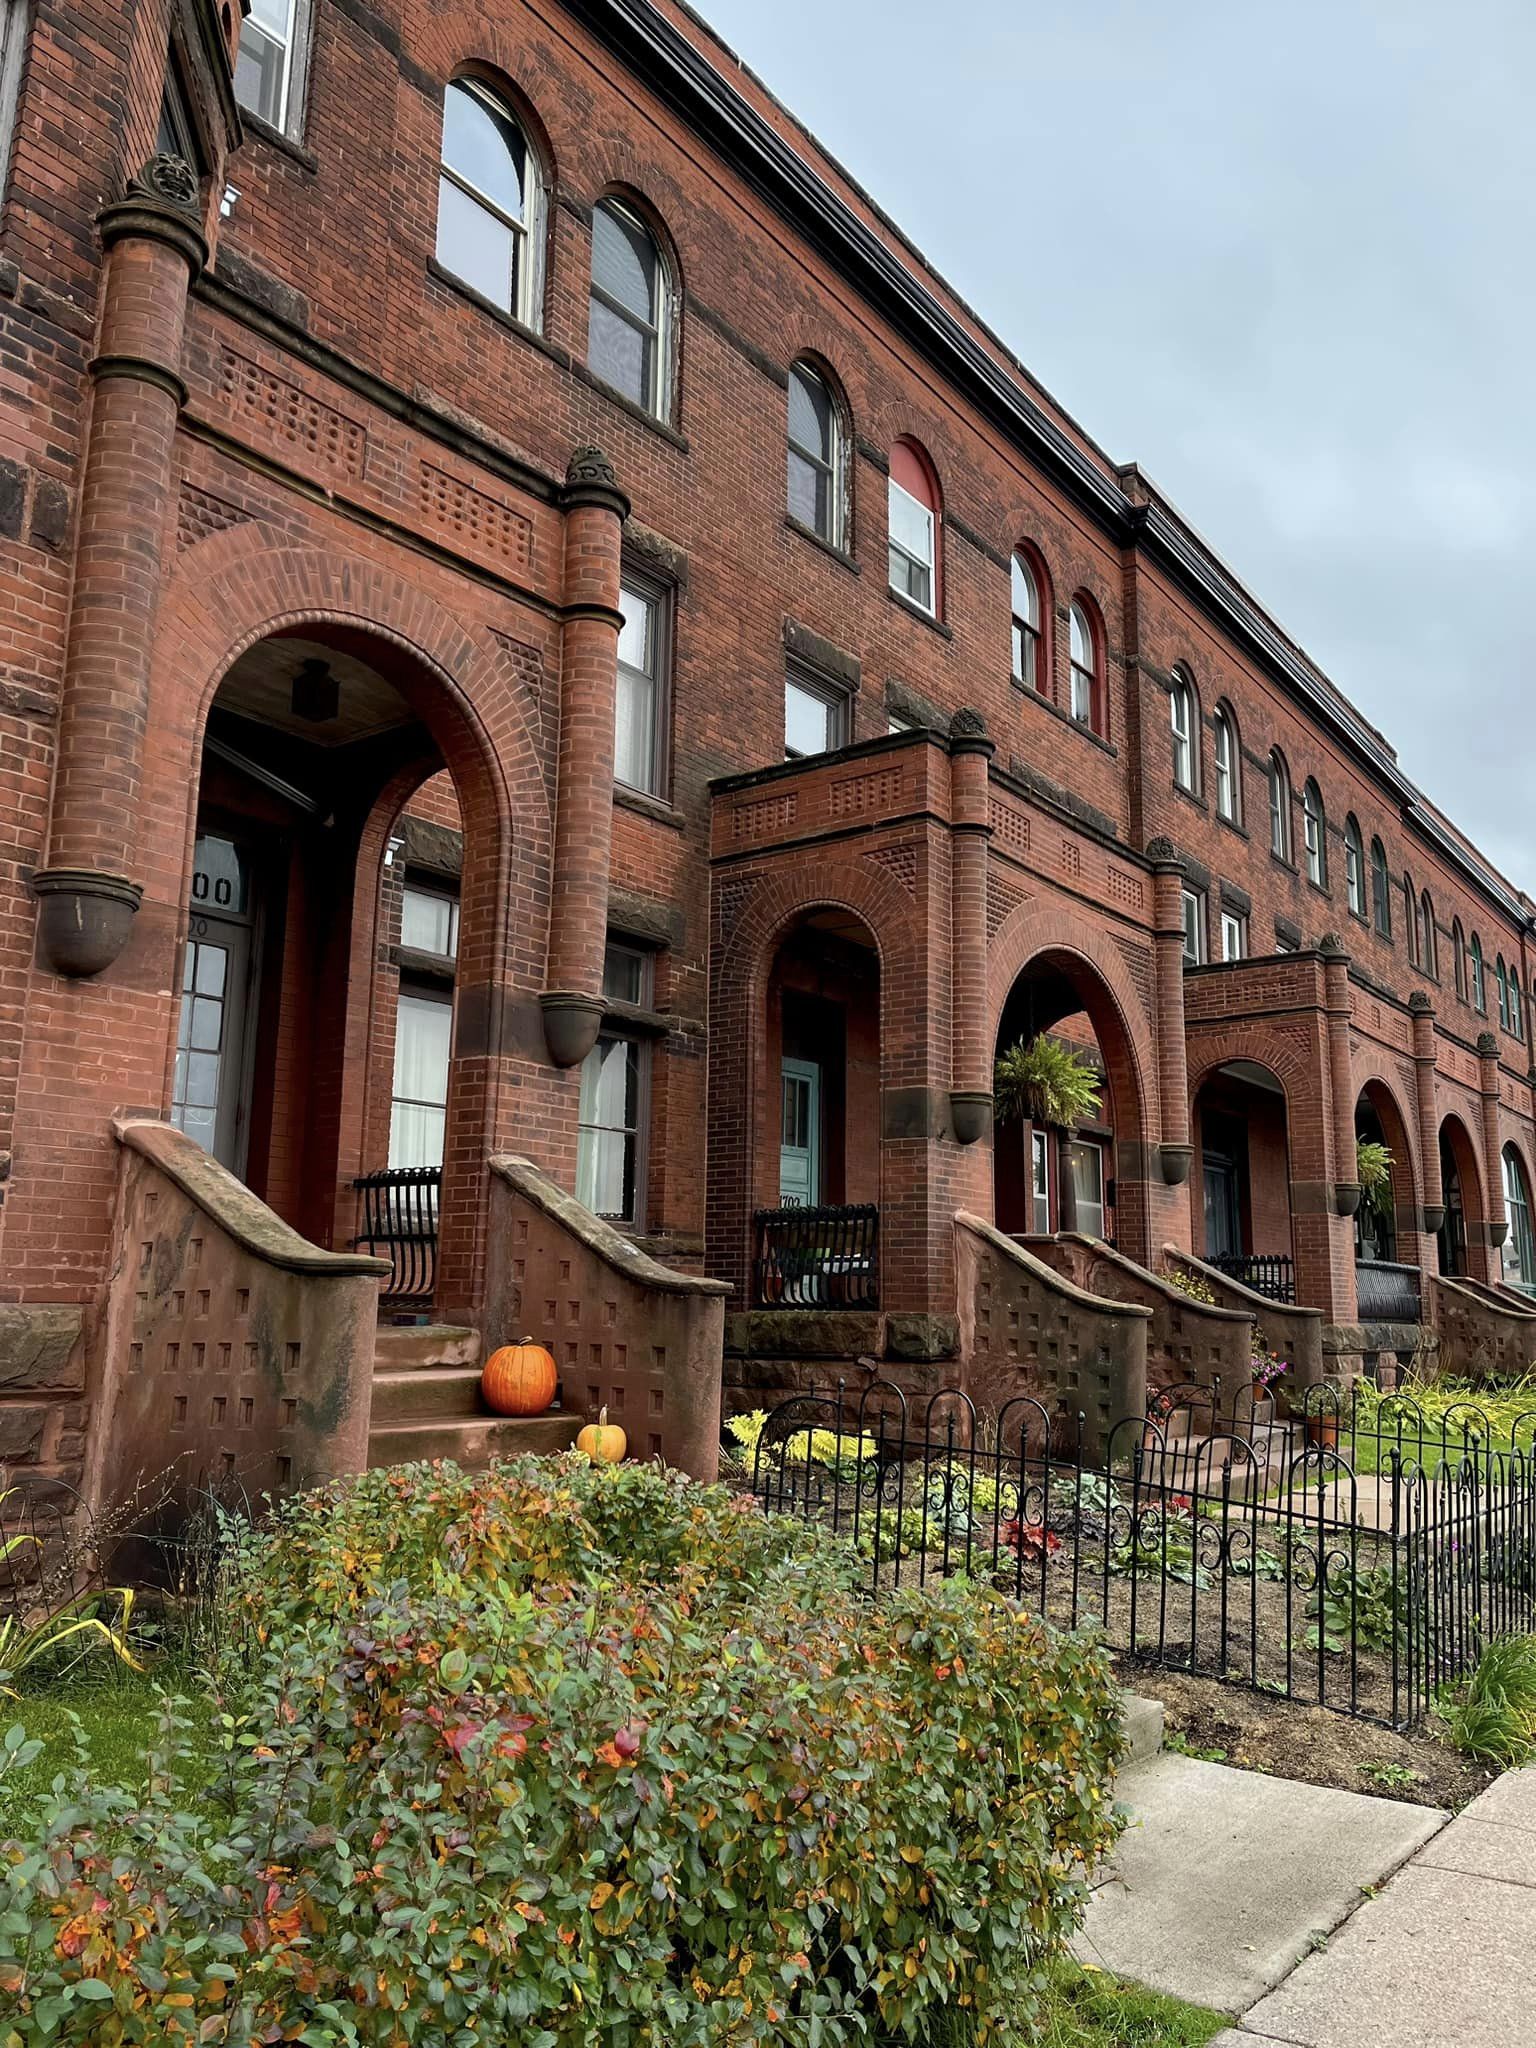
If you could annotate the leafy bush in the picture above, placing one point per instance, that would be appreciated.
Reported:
(841, 1451)
(568, 1755)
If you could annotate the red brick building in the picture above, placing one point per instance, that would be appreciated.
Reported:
(534, 628)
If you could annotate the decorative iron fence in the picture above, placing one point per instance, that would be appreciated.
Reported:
(399, 1223)
(1269, 1273)
(1358, 1556)
(1388, 1293)
(817, 1258)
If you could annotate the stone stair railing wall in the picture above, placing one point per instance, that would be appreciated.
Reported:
(1289, 1331)
(234, 1353)
(1481, 1336)
(1026, 1329)
(1189, 1343)
(627, 1333)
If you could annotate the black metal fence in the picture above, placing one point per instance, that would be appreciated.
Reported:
(825, 1257)
(1272, 1274)
(1387, 1293)
(1357, 1556)
(399, 1223)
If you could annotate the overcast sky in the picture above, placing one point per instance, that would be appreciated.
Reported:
(1282, 257)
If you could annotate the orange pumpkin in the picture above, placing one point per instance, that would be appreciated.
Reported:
(603, 1441)
(519, 1379)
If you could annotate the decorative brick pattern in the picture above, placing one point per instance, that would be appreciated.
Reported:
(200, 514)
(1125, 889)
(479, 523)
(851, 796)
(768, 815)
(287, 417)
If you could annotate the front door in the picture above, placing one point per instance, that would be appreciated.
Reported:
(800, 1135)
(1223, 1227)
(210, 1090)
(1451, 1240)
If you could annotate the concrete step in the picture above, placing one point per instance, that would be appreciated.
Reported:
(429, 1393)
(407, 1347)
(1143, 1720)
(471, 1440)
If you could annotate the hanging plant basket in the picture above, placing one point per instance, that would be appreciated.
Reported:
(1045, 1082)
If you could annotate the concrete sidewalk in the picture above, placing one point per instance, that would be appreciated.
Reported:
(1440, 1958)
(1226, 1878)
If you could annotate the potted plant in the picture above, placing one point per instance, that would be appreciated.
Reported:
(1047, 1083)
(1373, 1170)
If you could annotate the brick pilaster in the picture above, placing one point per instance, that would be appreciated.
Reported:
(1493, 1162)
(1174, 1151)
(1422, 1011)
(970, 1048)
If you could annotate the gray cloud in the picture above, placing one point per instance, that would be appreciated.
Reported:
(1281, 258)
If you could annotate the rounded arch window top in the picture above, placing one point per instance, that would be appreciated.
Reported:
(490, 201)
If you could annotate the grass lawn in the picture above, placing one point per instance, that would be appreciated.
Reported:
(1087, 2009)
(118, 1710)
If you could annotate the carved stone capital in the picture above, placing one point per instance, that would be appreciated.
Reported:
(1487, 1046)
(1420, 1004)
(589, 480)
(162, 204)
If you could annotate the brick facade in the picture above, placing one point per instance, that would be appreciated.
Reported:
(228, 428)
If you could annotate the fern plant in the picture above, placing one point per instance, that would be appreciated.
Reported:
(1373, 1170)
(1045, 1082)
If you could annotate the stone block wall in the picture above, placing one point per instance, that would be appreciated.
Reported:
(1481, 1338)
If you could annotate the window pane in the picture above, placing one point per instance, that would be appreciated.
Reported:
(808, 721)
(637, 637)
(634, 733)
(485, 148)
(810, 414)
(1082, 640)
(1088, 1185)
(810, 495)
(620, 354)
(475, 245)
(624, 974)
(219, 877)
(911, 525)
(423, 1037)
(605, 1159)
(259, 70)
(912, 579)
(1026, 605)
(624, 263)
(427, 922)
(1039, 1179)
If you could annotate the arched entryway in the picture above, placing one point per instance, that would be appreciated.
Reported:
(1241, 1188)
(1519, 1249)
(1463, 1194)
(1386, 1223)
(1048, 1178)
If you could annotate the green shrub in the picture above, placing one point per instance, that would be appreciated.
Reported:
(1492, 1714)
(568, 1755)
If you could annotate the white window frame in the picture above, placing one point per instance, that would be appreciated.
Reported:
(657, 401)
(294, 44)
(1279, 809)
(1479, 975)
(1429, 940)
(1224, 754)
(1025, 652)
(638, 681)
(1354, 871)
(1381, 890)
(1518, 1254)
(1181, 717)
(526, 304)
(1234, 935)
(1196, 936)
(437, 894)
(15, 27)
(831, 465)
(412, 993)
(1314, 831)
(1084, 676)
(628, 977)
(898, 551)
(832, 695)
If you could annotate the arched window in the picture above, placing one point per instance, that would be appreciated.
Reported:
(490, 202)
(1279, 807)
(1354, 867)
(1479, 989)
(1186, 731)
(1087, 671)
(1429, 944)
(1516, 1008)
(912, 523)
(1519, 1246)
(816, 459)
(1411, 917)
(629, 343)
(1229, 766)
(1027, 668)
(1314, 826)
(1459, 958)
(1381, 889)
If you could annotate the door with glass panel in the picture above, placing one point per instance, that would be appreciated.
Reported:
(800, 1135)
(210, 1087)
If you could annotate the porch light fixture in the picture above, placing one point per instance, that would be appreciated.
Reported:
(316, 692)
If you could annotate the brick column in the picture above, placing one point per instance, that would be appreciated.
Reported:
(1174, 1151)
(1493, 1162)
(572, 1001)
(970, 1095)
(1341, 1076)
(1422, 1013)
(154, 248)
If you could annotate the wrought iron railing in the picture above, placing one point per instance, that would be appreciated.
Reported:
(1388, 1293)
(1268, 1273)
(817, 1258)
(1199, 1537)
(399, 1223)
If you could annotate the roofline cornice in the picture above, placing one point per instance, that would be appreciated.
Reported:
(682, 76)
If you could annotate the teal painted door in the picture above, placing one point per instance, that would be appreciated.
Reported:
(800, 1135)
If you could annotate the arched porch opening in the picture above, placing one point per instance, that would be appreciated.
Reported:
(1049, 1178)
(1241, 1188)
(1465, 1222)
(315, 1040)
(816, 1172)
(1387, 1277)
(1519, 1249)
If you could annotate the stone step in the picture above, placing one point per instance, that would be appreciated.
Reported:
(471, 1440)
(1143, 1720)
(429, 1393)
(407, 1347)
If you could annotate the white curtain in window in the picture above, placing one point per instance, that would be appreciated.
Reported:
(423, 1040)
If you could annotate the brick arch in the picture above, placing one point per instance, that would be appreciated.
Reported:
(1464, 1151)
(743, 961)
(1398, 1127)
(1115, 1007)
